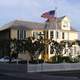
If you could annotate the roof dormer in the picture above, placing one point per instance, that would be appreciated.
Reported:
(65, 23)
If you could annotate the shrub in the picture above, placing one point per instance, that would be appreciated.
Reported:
(57, 59)
(66, 59)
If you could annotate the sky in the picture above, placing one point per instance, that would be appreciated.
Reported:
(31, 10)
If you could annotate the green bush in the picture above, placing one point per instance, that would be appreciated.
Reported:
(57, 59)
(61, 59)
(67, 59)
(36, 61)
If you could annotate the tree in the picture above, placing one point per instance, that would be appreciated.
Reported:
(17, 46)
(77, 42)
(13, 48)
(57, 49)
(34, 47)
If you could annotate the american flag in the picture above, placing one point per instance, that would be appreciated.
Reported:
(49, 15)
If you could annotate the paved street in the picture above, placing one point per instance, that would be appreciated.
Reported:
(5, 77)
(17, 72)
(35, 76)
(75, 73)
(39, 76)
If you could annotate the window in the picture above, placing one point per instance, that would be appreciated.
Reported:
(62, 35)
(35, 35)
(21, 34)
(41, 35)
(52, 49)
(18, 36)
(24, 34)
(65, 24)
(51, 34)
(38, 35)
(57, 35)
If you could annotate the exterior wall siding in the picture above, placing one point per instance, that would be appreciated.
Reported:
(13, 33)
(15, 36)
(73, 36)
(38, 33)
(28, 33)
(68, 34)
(65, 23)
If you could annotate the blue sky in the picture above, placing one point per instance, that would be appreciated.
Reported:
(31, 10)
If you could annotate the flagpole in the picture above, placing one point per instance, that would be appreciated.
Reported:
(56, 33)
(45, 41)
(56, 23)
(48, 15)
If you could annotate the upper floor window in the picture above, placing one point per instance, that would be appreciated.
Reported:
(18, 32)
(65, 24)
(57, 34)
(38, 35)
(24, 34)
(63, 35)
(51, 34)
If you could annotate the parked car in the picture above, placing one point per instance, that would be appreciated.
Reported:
(13, 60)
(4, 59)
(7, 59)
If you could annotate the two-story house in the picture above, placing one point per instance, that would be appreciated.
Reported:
(58, 29)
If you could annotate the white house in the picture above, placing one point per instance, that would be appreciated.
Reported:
(58, 29)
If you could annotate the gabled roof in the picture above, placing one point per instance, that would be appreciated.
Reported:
(20, 24)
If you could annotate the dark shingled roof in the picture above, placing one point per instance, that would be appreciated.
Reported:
(20, 24)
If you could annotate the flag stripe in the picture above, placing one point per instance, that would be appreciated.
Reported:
(49, 15)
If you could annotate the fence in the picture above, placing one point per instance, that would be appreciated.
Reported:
(53, 67)
(23, 68)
